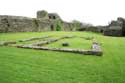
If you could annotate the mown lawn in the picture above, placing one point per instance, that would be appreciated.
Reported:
(75, 43)
(34, 66)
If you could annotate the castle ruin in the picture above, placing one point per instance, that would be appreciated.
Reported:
(115, 28)
(52, 22)
(44, 22)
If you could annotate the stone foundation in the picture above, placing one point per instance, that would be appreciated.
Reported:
(95, 49)
(85, 52)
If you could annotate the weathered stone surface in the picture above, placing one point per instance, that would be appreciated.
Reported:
(47, 41)
(96, 47)
(54, 16)
(93, 29)
(50, 41)
(24, 24)
(110, 32)
(42, 14)
(95, 50)
(16, 24)
(34, 38)
(115, 28)
(85, 52)
(7, 43)
(44, 22)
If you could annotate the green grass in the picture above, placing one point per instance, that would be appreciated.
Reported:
(75, 43)
(35, 66)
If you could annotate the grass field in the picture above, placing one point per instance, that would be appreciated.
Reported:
(75, 43)
(35, 66)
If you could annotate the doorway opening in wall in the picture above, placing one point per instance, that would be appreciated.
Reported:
(54, 17)
(52, 27)
(123, 31)
(101, 30)
(49, 17)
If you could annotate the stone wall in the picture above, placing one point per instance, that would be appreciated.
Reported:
(24, 24)
(42, 14)
(115, 28)
(43, 22)
(17, 24)
(44, 25)
(93, 29)
(67, 26)
(113, 32)
(48, 22)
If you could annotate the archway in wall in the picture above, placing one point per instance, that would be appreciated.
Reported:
(123, 31)
(54, 17)
(52, 27)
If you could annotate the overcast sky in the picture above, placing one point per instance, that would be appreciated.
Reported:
(97, 12)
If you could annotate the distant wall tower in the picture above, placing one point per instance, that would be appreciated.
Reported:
(42, 14)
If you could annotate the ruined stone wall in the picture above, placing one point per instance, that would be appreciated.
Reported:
(23, 24)
(44, 25)
(113, 32)
(115, 28)
(48, 22)
(43, 22)
(16, 24)
(66, 26)
(94, 29)
(42, 14)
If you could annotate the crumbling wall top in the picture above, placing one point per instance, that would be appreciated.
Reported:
(42, 14)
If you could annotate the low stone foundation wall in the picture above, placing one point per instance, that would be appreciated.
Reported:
(51, 41)
(7, 43)
(95, 49)
(85, 52)
(34, 38)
